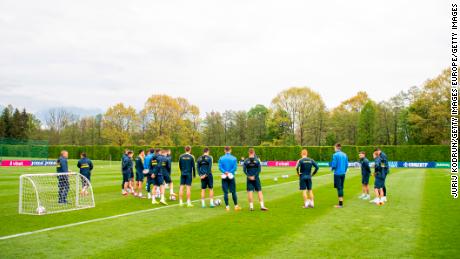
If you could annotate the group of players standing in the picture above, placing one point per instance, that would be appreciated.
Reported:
(156, 168)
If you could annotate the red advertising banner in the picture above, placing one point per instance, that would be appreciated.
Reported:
(16, 163)
(281, 163)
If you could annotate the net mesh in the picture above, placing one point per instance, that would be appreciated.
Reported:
(55, 192)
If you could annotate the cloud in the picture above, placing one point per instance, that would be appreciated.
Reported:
(219, 55)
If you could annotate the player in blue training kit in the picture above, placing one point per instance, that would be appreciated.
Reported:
(252, 169)
(162, 168)
(227, 167)
(339, 166)
(204, 168)
(139, 173)
(365, 174)
(63, 180)
(379, 179)
(86, 166)
(304, 167)
(187, 168)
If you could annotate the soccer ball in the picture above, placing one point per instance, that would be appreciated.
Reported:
(172, 197)
(217, 202)
(41, 210)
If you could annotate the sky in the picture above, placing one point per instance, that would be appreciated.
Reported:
(219, 55)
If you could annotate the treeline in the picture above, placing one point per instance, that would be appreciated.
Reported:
(19, 125)
(437, 153)
(296, 116)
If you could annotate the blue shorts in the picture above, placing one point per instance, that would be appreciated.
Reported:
(379, 181)
(158, 180)
(365, 178)
(305, 183)
(253, 185)
(139, 176)
(186, 180)
(207, 182)
(167, 178)
(126, 177)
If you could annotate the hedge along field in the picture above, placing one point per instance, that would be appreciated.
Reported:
(422, 153)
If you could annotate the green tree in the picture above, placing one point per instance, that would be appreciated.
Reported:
(429, 113)
(119, 124)
(367, 121)
(213, 130)
(257, 124)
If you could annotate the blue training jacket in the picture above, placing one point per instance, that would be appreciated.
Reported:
(147, 160)
(339, 163)
(227, 163)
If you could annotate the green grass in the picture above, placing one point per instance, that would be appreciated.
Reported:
(420, 220)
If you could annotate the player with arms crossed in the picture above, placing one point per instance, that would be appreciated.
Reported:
(252, 169)
(187, 168)
(365, 174)
(227, 167)
(204, 167)
(86, 166)
(339, 166)
(304, 167)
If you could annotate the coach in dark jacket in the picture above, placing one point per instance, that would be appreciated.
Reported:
(63, 180)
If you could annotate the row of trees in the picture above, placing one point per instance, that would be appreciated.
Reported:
(16, 124)
(296, 116)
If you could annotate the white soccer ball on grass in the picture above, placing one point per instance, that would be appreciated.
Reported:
(41, 210)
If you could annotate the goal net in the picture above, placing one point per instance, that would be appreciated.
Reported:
(41, 194)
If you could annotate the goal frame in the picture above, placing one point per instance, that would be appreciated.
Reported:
(27, 177)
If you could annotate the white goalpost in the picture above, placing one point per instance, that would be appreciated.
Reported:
(41, 194)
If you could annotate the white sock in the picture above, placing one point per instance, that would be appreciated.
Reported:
(307, 202)
(162, 197)
(212, 202)
(312, 203)
(181, 202)
(189, 202)
(171, 191)
(251, 205)
(262, 204)
(202, 203)
(227, 207)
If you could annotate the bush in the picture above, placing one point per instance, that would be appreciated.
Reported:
(422, 153)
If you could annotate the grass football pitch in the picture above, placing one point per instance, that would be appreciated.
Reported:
(419, 220)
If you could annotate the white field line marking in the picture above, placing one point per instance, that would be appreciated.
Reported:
(122, 215)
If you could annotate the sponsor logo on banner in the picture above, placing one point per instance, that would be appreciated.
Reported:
(28, 163)
(16, 163)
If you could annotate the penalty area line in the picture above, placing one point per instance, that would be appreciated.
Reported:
(118, 216)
